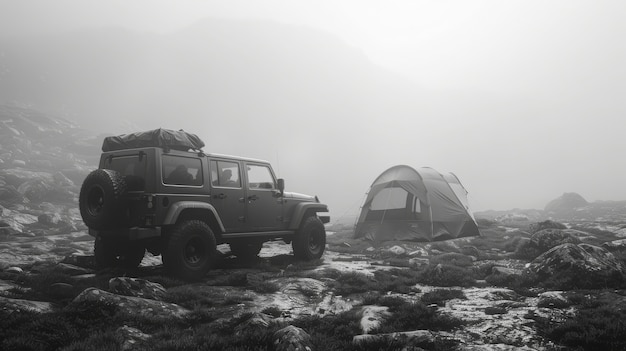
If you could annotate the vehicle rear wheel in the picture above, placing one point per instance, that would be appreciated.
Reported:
(101, 200)
(310, 240)
(191, 250)
(111, 253)
(245, 250)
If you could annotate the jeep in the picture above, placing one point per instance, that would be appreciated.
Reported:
(158, 191)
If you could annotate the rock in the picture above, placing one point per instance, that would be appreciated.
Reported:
(548, 238)
(418, 262)
(581, 266)
(418, 252)
(470, 251)
(131, 305)
(505, 271)
(372, 317)
(256, 320)
(552, 299)
(60, 179)
(49, 218)
(17, 270)
(396, 250)
(137, 288)
(132, 337)
(292, 338)
(535, 227)
(8, 305)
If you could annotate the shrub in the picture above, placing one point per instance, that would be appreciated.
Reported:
(596, 328)
(452, 258)
(527, 250)
(414, 316)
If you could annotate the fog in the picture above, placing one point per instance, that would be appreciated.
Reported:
(522, 100)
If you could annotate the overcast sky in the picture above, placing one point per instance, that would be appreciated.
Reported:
(567, 55)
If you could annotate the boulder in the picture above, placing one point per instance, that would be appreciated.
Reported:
(256, 320)
(581, 266)
(131, 305)
(137, 287)
(292, 338)
(548, 238)
(132, 337)
(395, 251)
(535, 227)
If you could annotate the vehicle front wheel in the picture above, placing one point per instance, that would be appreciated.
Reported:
(112, 253)
(310, 240)
(191, 250)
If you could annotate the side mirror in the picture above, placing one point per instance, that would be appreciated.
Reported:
(281, 185)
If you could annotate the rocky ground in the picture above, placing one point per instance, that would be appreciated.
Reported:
(509, 289)
(525, 284)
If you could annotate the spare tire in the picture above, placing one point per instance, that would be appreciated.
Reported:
(101, 200)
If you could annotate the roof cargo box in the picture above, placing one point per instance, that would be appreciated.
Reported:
(165, 138)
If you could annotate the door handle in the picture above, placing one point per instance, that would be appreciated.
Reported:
(253, 197)
(220, 196)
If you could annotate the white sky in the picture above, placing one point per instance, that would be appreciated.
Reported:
(568, 54)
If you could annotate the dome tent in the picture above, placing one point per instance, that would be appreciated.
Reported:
(420, 205)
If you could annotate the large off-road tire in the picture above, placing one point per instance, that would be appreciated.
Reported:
(191, 250)
(101, 200)
(245, 250)
(310, 240)
(114, 253)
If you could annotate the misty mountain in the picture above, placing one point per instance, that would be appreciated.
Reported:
(215, 69)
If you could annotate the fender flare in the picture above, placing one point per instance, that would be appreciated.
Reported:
(176, 209)
(301, 209)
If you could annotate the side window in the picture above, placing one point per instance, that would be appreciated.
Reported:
(181, 170)
(260, 177)
(225, 174)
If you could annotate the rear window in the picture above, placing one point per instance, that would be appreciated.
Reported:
(179, 170)
(129, 165)
(132, 167)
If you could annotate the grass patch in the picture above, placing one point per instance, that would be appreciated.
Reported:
(198, 297)
(447, 275)
(592, 328)
(415, 316)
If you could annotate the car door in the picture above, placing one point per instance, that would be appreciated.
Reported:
(227, 194)
(263, 200)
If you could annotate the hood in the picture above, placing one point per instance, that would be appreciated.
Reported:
(298, 196)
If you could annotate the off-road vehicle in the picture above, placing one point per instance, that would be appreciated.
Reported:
(158, 191)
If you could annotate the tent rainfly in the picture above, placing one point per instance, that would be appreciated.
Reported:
(418, 205)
